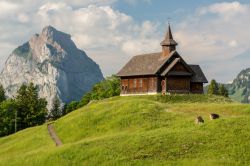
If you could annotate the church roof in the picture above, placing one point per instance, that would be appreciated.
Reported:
(146, 64)
(173, 63)
(199, 75)
(151, 64)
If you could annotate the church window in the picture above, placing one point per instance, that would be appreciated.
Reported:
(134, 83)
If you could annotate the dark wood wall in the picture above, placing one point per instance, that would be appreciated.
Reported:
(140, 84)
(179, 67)
(151, 84)
(178, 84)
(154, 84)
(196, 87)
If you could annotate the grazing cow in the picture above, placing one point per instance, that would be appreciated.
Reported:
(214, 116)
(199, 120)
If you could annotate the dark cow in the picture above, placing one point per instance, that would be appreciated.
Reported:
(199, 120)
(214, 116)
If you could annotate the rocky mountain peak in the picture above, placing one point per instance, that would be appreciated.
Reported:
(58, 38)
(52, 33)
(51, 61)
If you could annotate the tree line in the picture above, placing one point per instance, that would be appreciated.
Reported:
(25, 110)
(215, 88)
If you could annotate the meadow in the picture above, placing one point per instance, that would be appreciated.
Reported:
(139, 130)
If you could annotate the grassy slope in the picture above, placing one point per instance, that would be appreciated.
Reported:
(140, 130)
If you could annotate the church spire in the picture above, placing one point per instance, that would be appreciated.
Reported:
(168, 44)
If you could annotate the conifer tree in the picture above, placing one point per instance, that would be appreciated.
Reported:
(8, 120)
(223, 91)
(213, 88)
(55, 111)
(31, 108)
(2, 93)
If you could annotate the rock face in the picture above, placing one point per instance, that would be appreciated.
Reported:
(51, 61)
(239, 90)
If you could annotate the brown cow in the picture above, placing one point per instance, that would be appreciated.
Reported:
(214, 116)
(199, 120)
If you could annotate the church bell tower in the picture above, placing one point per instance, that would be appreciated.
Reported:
(168, 44)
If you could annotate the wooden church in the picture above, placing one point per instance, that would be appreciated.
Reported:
(164, 72)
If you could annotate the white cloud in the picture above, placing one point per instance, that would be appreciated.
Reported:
(233, 43)
(82, 3)
(225, 8)
(213, 35)
(50, 7)
(140, 46)
(23, 18)
(7, 7)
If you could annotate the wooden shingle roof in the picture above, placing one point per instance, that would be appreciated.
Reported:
(146, 64)
(173, 63)
(199, 75)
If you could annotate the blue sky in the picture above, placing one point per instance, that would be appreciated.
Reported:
(214, 34)
(159, 9)
(162, 9)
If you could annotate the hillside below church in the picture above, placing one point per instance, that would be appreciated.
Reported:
(139, 130)
(51, 61)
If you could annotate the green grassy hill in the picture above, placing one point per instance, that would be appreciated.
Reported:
(140, 130)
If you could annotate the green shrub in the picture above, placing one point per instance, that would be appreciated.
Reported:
(109, 87)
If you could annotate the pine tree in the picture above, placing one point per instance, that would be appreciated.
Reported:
(31, 108)
(213, 88)
(22, 107)
(7, 117)
(2, 93)
(37, 106)
(223, 91)
(55, 112)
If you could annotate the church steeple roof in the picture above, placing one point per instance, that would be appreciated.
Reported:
(168, 40)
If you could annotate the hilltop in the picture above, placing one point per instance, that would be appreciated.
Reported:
(141, 130)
